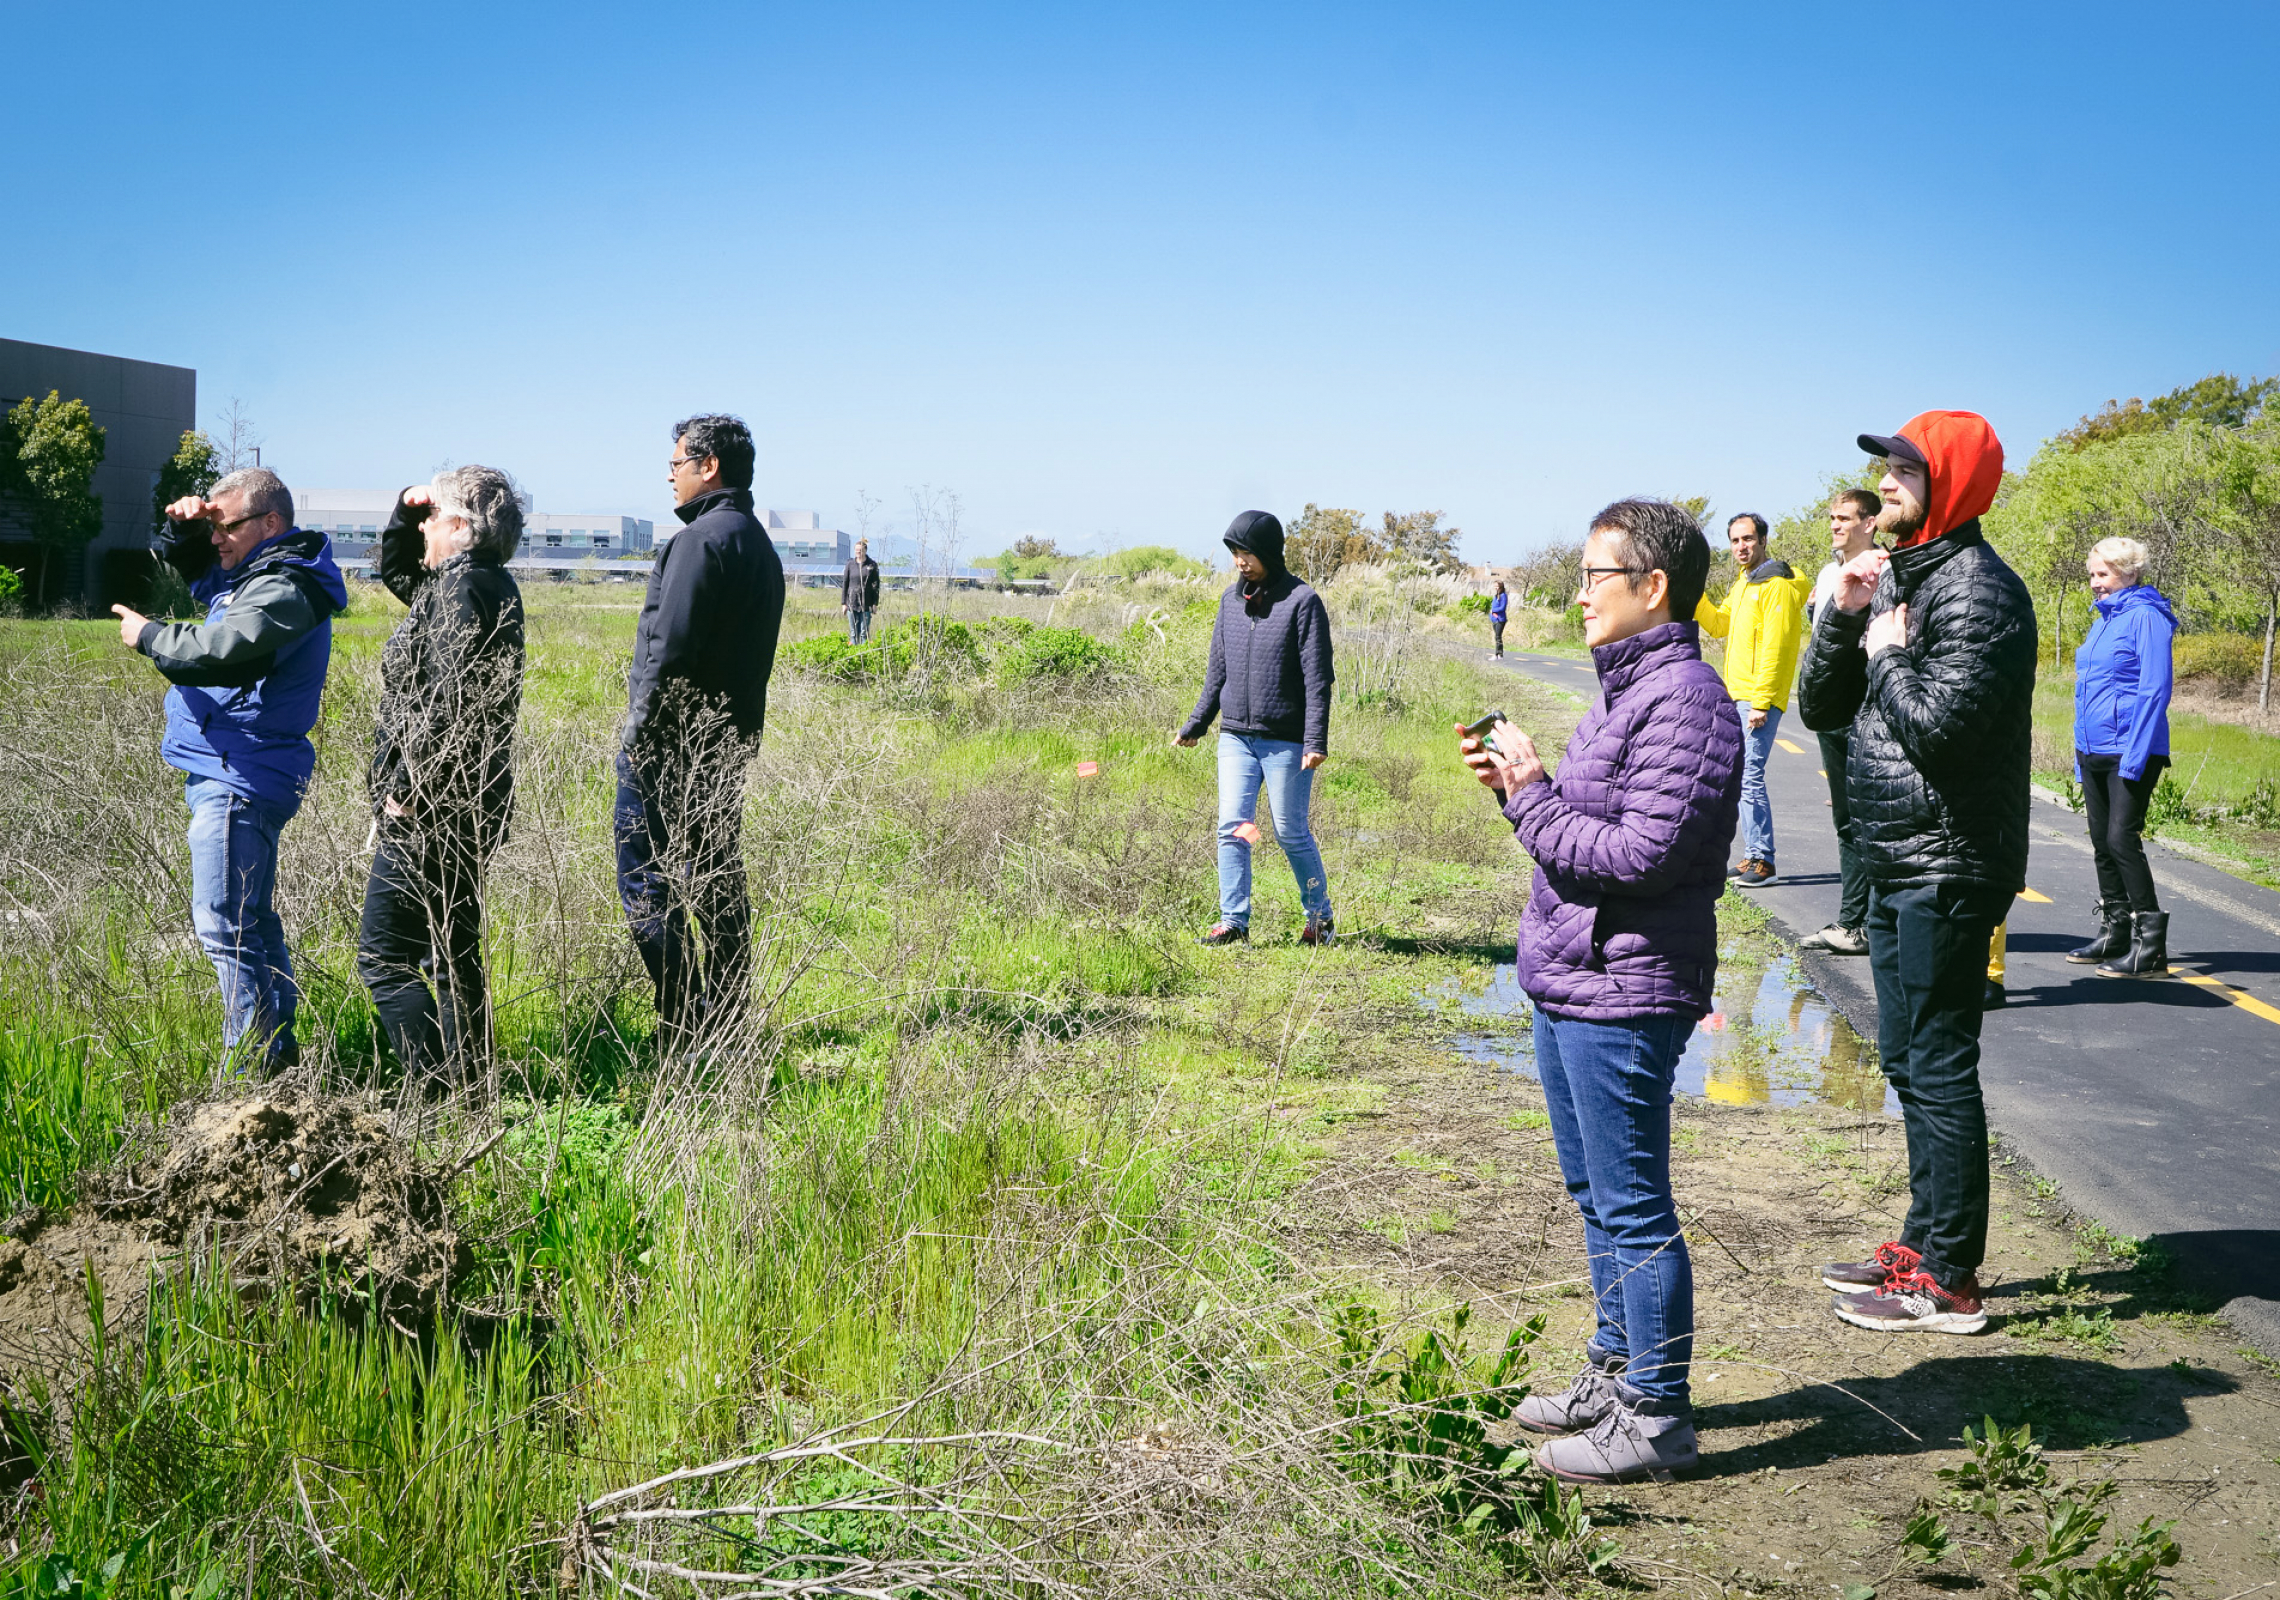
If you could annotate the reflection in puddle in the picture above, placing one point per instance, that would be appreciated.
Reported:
(1788, 1047)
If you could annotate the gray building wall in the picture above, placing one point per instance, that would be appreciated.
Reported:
(143, 408)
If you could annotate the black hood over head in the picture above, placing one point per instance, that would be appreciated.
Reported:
(1261, 533)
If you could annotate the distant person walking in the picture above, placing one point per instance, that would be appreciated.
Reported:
(2122, 680)
(697, 697)
(1929, 658)
(247, 685)
(1617, 948)
(859, 592)
(443, 766)
(1268, 682)
(1852, 533)
(1499, 607)
(1762, 621)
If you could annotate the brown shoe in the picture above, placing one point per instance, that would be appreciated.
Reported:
(1755, 874)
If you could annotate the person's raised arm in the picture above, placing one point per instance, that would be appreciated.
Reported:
(1682, 764)
(403, 543)
(1715, 619)
(264, 615)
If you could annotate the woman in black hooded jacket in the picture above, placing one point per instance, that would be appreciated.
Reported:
(442, 775)
(1268, 683)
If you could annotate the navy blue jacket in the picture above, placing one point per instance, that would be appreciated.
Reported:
(707, 639)
(248, 680)
(1270, 670)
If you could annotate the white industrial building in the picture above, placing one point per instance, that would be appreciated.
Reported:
(354, 518)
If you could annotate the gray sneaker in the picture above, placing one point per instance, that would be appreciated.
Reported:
(1590, 1397)
(1626, 1446)
(1838, 940)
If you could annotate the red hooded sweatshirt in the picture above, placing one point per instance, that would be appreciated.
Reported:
(1965, 464)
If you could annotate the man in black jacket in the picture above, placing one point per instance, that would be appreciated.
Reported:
(698, 694)
(442, 775)
(1268, 681)
(1929, 660)
(859, 592)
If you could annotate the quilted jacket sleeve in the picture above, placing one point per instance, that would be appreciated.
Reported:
(1683, 755)
(1834, 679)
(1214, 680)
(1316, 668)
(1945, 693)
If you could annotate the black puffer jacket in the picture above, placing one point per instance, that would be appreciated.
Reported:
(443, 744)
(1270, 669)
(1942, 728)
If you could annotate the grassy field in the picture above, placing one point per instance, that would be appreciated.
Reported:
(1021, 1246)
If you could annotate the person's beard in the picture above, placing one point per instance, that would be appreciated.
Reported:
(1901, 524)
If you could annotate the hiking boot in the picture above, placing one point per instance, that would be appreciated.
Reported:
(1914, 1302)
(1838, 940)
(1624, 1446)
(1991, 997)
(1227, 933)
(1848, 1276)
(1588, 1399)
(2113, 936)
(1755, 874)
(1323, 931)
(2149, 949)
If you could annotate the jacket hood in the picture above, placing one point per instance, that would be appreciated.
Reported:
(1964, 461)
(1261, 534)
(1773, 567)
(307, 549)
(2137, 594)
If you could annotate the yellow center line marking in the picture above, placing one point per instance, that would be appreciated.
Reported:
(1786, 745)
(2038, 899)
(2239, 997)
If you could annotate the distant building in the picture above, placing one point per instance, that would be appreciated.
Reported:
(354, 518)
(797, 536)
(144, 408)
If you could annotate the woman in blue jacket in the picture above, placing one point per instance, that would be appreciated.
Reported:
(2121, 744)
(1498, 609)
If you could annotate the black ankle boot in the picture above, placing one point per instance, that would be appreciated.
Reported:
(2149, 949)
(2113, 936)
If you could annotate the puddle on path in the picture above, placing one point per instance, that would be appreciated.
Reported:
(1787, 1046)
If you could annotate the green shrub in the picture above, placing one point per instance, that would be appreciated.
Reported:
(1142, 559)
(2233, 658)
(1035, 652)
(1474, 602)
(939, 643)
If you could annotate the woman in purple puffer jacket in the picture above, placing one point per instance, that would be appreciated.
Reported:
(1617, 949)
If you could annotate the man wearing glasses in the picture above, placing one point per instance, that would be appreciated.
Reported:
(247, 684)
(698, 693)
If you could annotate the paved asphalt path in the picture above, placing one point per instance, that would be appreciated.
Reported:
(2154, 1104)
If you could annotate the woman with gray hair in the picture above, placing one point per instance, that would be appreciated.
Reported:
(2122, 678)
(442, 778)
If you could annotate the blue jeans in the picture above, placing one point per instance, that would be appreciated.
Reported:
(1246, 762)
(233, 885)
(1607, 1088)
(1757, 810)
(858, 626)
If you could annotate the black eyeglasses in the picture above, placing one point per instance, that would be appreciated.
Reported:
(1592, 575)
(676, 463)
(232, 527)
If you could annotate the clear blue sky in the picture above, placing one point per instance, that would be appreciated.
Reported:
(1115, 273)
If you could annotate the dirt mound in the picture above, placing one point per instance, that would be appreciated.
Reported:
(315, 1194)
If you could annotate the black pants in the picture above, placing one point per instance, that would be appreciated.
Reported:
(1928, 950)
(423, 920)
(1836, 749)
(1496, 628)
(2115, 807)
(680, 865)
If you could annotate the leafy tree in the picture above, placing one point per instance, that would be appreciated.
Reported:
(1031, 548)
(2245, 536)
(196, 467)
(53, 447)
(2220, 399)
(1142, 559)
(1419, 536)
(1550, 576)
(1323, 539)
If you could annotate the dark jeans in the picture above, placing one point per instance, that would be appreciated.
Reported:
(1928, 950)
(423, 918)
(1607, 1090)
(1496, 629)
(681, 879)
(2115, 807)
(1836, 749)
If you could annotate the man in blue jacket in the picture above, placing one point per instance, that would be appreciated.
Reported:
(247, 684)
(1268, 681)
(697, 695)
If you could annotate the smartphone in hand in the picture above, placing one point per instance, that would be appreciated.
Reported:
(1484, 728)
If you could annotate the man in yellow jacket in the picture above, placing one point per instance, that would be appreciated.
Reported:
(1762, 620)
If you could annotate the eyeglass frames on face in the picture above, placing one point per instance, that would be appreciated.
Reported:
(232, 527)
(1592, 575)
(676, 463)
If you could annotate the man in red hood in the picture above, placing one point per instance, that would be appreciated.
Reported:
(1929, 663)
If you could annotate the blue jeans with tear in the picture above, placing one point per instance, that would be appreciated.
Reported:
(1607, 1089)
(233, 887)
(1248, 763)
(1757, 810)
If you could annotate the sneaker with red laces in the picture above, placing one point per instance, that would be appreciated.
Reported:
(1914, 1302)
(1323, 931)
(1227, 933)
(1849, 1277)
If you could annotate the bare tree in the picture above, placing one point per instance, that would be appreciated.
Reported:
(237, 442)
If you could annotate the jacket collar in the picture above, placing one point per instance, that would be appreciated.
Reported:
(713, 500)
(2137, 594)
(1624, 662)
(1912, 564)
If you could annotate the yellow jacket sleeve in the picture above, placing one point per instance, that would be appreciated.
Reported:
(1777, 637)
(1715, 619)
